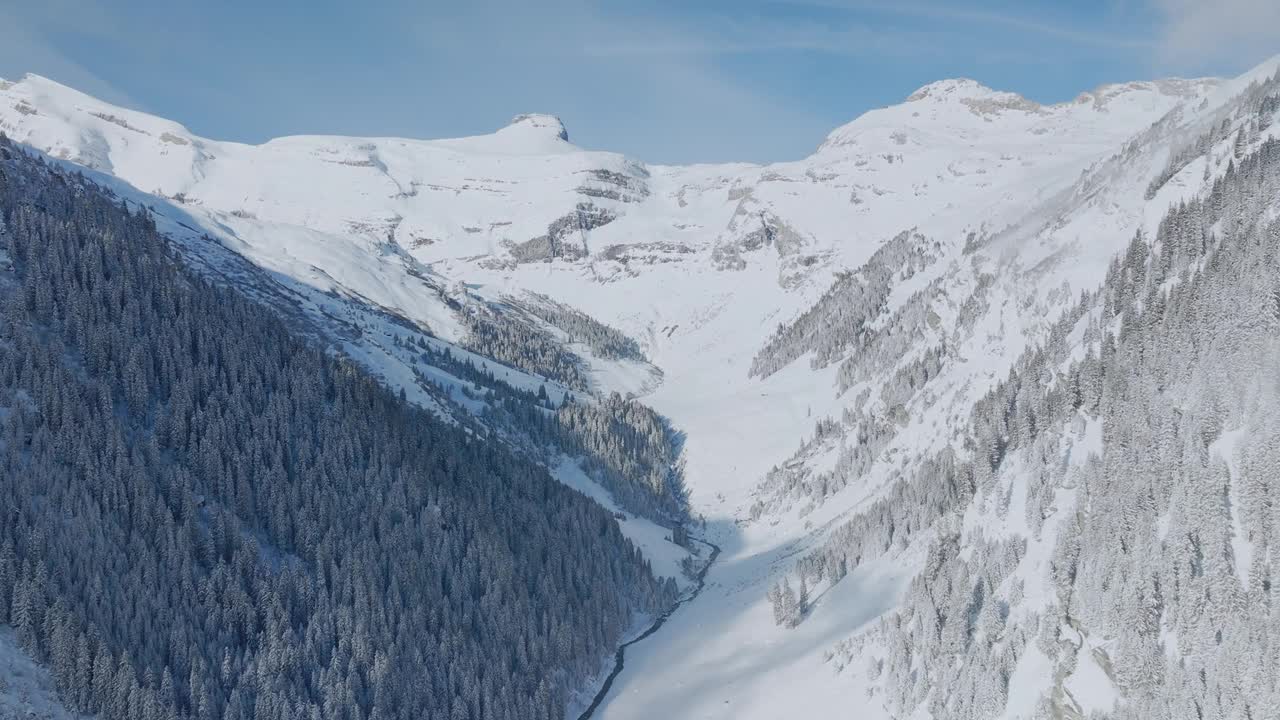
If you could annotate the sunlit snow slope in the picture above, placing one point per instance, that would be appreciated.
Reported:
(964, 221)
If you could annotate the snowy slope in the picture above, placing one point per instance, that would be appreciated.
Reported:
(697, 262)
(1011, 209)
(364, 213)
(26, 690)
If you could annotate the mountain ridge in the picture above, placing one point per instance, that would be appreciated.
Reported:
(910, 265)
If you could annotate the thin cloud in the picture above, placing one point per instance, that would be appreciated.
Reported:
(849, 41)
(951, 14)
(1199, 35)
(26, 47)
(646, 84)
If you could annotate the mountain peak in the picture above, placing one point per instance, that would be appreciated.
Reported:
(952, 89)
(978, 98)
(44, 84)
(549, 124)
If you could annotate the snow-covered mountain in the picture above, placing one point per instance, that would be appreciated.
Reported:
(819, 332)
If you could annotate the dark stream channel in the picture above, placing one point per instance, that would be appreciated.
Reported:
(619, 658)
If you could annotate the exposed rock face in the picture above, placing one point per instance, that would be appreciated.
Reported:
(565, 237)
(770, 231)
(611, 185)
(539, 120)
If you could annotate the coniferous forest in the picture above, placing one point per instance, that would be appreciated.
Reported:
(1166, 550)
(970, 413)
(202, 516)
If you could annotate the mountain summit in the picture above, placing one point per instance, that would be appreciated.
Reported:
(538, 121)
(946, 391)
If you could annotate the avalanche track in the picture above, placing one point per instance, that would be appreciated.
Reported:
(619, 659)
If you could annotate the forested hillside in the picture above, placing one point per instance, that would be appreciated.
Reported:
(204, 517)
(973, 432)
(1116, 526)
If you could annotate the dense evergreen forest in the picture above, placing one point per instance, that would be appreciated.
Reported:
(202, 516)
(1162, 540)
(579, 327)
(619, 442)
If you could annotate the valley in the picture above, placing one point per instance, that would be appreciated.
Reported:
(893, 387)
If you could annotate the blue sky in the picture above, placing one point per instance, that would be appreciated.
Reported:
(665, 81)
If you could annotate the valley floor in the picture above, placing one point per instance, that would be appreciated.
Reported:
(721, 655)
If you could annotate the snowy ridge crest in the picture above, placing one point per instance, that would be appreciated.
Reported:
(882, 290)
(543, 122)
